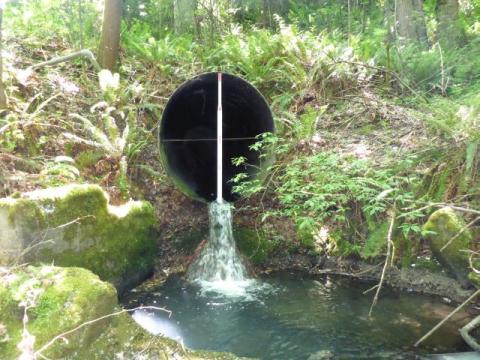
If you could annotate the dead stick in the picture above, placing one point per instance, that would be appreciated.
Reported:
(427, 335)
(384, 270)
(85, 53)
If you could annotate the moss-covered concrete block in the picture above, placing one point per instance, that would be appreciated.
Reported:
(74, 225)
(442, 226)
(65, 299)
(59, 299)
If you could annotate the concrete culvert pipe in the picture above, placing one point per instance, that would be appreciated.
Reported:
(189, 128)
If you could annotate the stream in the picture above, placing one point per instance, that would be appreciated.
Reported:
(296, 316)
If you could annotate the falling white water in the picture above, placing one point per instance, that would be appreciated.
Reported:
(219, 267)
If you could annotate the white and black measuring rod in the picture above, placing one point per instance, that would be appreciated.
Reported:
(219, 141)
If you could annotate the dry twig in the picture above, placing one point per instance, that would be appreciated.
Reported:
(435, 328)
(387, 259)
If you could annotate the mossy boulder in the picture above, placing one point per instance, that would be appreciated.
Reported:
(75, 225)
(59, 300)
(63, 299)
(441, 227)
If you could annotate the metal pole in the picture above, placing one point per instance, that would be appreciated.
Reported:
(219, 141)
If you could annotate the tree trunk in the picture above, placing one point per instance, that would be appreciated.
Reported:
(420, 26)
(3, 96)
(405, 11)
(410, 21)
(449, 30)
(184, 15)
(109, 46)
(267, 14)
(389, 20)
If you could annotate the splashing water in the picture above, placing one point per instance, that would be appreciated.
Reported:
(219, 267)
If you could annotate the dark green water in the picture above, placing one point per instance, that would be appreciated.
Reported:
(299, 317)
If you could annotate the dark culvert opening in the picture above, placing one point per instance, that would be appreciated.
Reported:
(191, 114)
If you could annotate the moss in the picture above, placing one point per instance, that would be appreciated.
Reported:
(124, 336)
(25, 213)
(122, 246)
(254, 245)
(87, 232)
(67, 298)
(441, 227)
(376, 242)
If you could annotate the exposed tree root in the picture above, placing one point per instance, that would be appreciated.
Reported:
(390, 251)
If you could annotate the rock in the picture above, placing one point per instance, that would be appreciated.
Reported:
(444, 224)
(322, 355)
(74, 225)
(62, 299)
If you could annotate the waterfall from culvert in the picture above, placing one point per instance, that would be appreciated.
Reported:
(219, 267)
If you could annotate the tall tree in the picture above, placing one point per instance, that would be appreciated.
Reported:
(419, 19)
(184, 15)
(409, 20)
(110, 43)
(449, 29)
(3, 96)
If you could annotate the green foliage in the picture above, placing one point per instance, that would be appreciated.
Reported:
(376, 241)
(325, 191)
(304, 126)
(75, 21)
(282, 65)
(436, 69)
(59, 172)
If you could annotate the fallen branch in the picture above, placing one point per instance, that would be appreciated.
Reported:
(427, 335)
(387, 259)
(465, 332)
(85, 53)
